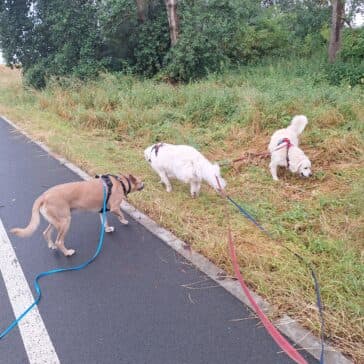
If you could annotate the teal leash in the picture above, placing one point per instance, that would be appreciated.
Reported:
(59, 270)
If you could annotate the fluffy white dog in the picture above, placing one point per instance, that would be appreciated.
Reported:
(184, 163)
(285, 152)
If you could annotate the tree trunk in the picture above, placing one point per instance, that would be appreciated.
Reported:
(141, 10)
(173, 20)
(338, 12)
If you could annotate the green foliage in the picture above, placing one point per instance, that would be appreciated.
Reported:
(347, 72)
(15, 30)
(80, 38)
(353, 45)
(132, 44)
(36, 76)
(350, 67)
(221, 33)
(308, 22)
(52, 38)
(151, 41)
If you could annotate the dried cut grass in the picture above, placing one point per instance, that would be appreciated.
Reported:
(10, 77)
(329, 118)
(340, 148)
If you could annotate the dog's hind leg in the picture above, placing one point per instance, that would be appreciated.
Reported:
(62, 228)
(47, 233)
(108, 229)
(59, 216)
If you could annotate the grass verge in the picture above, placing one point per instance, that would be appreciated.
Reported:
(103, 126)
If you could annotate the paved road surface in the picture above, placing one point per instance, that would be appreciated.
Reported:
(130, 305)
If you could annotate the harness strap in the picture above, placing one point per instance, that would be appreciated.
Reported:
(107, 182)
(126, 191)
(288, 144)
(124, 188)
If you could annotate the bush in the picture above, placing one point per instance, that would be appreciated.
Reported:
(353, 45)
(151, 42)
(36, 76)
(220, 33)
(349, 72)
(349, 67)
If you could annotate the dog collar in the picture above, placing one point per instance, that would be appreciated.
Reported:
(126, 191)
(106, 179)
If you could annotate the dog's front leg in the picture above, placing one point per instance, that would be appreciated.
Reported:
(108, 229)
(273, 170)
(116, 210)
(165, 180)
(195, 188)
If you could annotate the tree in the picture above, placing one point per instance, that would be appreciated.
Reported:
(141, 10)
(15, 29)
(337, 22)
(173, 20)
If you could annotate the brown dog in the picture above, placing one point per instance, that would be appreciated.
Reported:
(57, 203)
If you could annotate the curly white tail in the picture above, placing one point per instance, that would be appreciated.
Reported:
(298, 124)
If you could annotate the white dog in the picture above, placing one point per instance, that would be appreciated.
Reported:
(184, 163)
(285, 152)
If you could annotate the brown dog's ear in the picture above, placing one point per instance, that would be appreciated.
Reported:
(132, 178)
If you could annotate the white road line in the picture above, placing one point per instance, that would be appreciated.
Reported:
(37, 343)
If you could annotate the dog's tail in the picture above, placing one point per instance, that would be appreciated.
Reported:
(34, 220)
(298, 124)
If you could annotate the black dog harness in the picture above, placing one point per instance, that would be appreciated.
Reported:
(106, 179)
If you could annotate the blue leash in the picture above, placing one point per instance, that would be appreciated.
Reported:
(59, 270)
(248, 216)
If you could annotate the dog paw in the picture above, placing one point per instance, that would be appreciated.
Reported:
(52, 246)
(109, 229)
(169, 189)
(124, 222)
(69, 252)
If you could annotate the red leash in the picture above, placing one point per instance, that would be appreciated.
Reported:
(284, 143)
(273, 332)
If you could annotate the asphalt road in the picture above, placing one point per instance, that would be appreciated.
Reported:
(132, 304)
